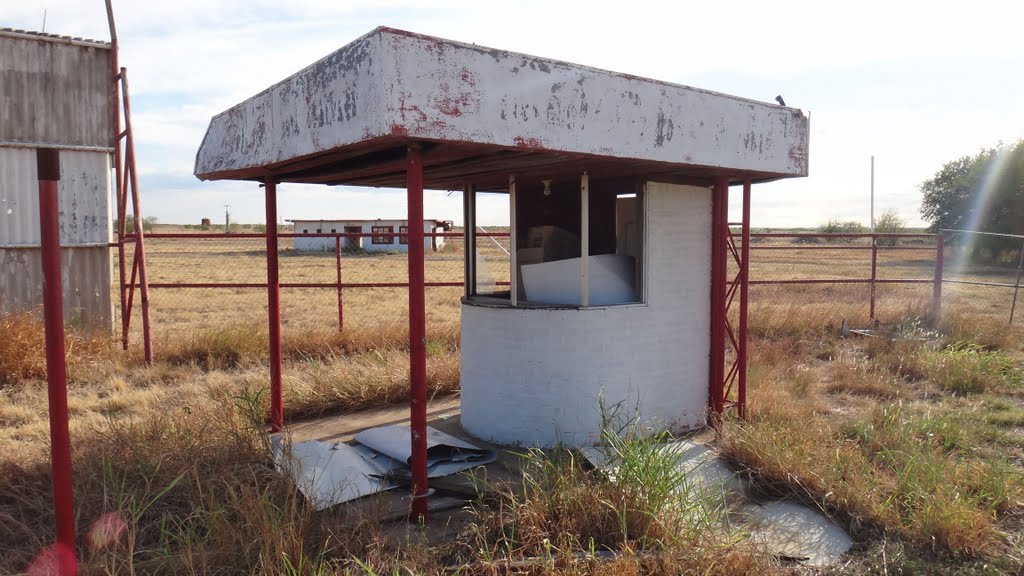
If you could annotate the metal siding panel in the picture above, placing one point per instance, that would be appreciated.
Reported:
(84, 194)
(55, 92)
(86, 275)
(19, 198)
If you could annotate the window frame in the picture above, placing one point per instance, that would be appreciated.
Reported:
(631, 187)
(382, 235)
(403, 235)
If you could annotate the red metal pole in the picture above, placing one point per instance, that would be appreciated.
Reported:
(741, 400)
(119, 191)
(940, 248)
(274, 309)
(48, 163)
(337, 254)
(140, 246)
(874, 273)
(719, 229)
(417, 337)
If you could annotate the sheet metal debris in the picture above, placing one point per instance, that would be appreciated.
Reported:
(446, 454)
(330, 473)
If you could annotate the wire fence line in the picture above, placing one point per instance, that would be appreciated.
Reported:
(201, 282)
(207, 281)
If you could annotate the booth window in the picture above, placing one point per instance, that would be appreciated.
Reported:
(403, 234)
(382, 235)
(549, 242)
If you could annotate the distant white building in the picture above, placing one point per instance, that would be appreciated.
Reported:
(381, 235)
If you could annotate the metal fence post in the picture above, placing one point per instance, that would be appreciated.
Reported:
(940, 244)
(337, 255)
(1016, 285)
(874, 272)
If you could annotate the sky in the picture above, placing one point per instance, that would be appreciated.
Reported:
(914, 84)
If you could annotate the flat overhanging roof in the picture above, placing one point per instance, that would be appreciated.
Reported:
(480, 114)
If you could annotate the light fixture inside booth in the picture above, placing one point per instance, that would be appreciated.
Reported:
(547, 187)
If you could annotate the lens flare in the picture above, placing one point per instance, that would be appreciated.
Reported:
(982, 204)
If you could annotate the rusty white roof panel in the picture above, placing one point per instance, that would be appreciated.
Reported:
(346, 119)
(57, 38)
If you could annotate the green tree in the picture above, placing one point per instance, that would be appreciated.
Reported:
(982, 192)
(889, 222)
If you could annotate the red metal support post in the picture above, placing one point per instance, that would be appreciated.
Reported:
(48, 163)
(417, 337)
(940, 249)
(741, 394)
(274, 308)
(719, 231)
(337, 254)
(115, 74)
(140, 246)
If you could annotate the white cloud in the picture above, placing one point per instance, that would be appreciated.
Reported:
(913, 83)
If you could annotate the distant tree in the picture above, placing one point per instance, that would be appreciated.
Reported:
(148, 224)
(889, 223)
(983, 192)
(841, 227)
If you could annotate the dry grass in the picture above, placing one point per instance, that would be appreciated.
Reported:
(872, 431)
(917, 446)
(23, 349)
(563, 510)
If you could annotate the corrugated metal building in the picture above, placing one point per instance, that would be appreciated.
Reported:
(56, 92)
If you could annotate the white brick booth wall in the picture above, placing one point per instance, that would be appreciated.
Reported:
(532, 376)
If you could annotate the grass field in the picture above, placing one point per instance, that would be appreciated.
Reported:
(913, 440)
(185, 310)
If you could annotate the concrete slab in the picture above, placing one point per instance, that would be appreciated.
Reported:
(706, 474)
(799, 532)
(789, 529)
(344, 427)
